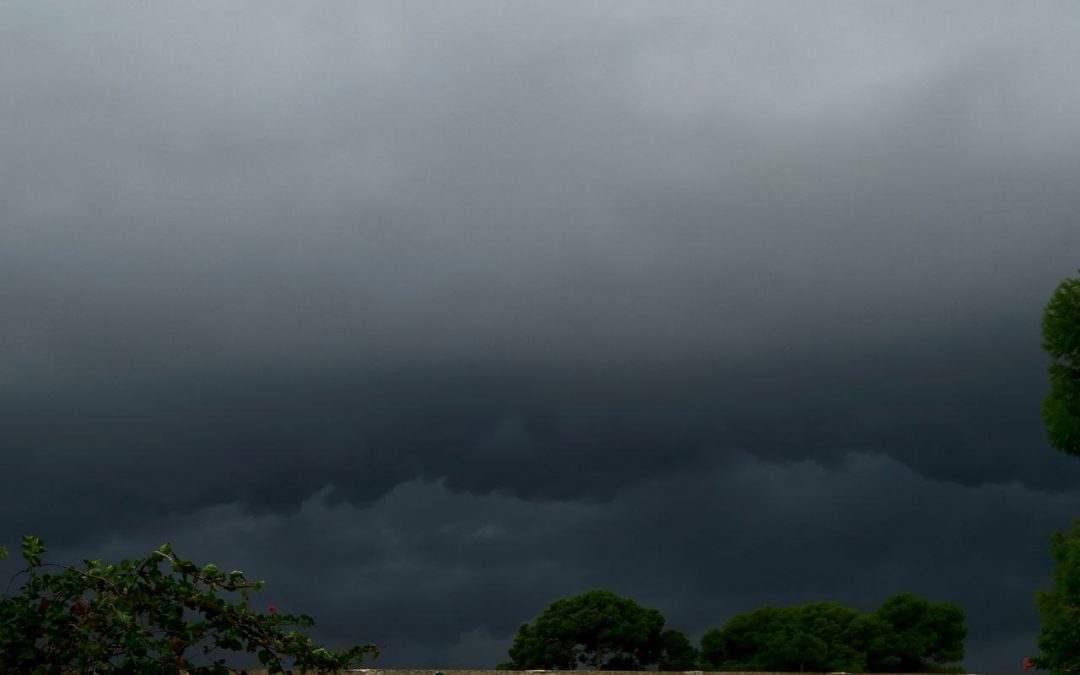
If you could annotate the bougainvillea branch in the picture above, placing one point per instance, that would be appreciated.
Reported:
(146, 616)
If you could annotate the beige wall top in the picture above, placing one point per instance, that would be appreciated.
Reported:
(450, 671)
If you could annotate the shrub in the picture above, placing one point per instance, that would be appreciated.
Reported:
(136, 617)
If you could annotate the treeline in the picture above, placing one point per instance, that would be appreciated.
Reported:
(603, 631)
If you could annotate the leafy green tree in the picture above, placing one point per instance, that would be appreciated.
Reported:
(677, 653)
(597, 629)
(1059, 636)
(532, 649)
(790, 646)
(908, 634)
(812, 637)
(741, 643)
(833, 624)
(135, 617)
(1061, 339)
(874, 640)
(921, 637)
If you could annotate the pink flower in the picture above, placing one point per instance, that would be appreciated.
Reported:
(272, 609)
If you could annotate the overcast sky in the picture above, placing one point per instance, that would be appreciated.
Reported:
(432, 313)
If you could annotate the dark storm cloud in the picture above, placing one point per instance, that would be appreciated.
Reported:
(477, 306)
(950, 410)
(423, 569)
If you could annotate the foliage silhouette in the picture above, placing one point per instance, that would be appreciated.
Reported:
(597, 629)
(1061, 340)
(135, 617)
(906, 634)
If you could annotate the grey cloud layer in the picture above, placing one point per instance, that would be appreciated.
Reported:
(446, 188)
(480, 304)
(950, 410)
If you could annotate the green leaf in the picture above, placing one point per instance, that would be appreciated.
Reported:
(32, 548)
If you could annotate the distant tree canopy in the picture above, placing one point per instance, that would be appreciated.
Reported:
(1061, 339)
(603, 631)
(906, 634)
(599, 630)
(676, 652)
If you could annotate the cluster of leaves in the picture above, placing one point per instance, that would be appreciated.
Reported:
(601, 630)
(136, 617)
(906, 634)
(1061, 339)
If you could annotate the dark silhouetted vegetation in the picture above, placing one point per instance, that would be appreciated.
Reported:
(599, 630)
(603, 631)
(1061, 339)
(147, 616)
(1059, 635)
(906, 634)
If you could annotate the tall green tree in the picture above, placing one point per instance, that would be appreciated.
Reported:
(1061, 339)
(1059, 636)
(596, 629)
